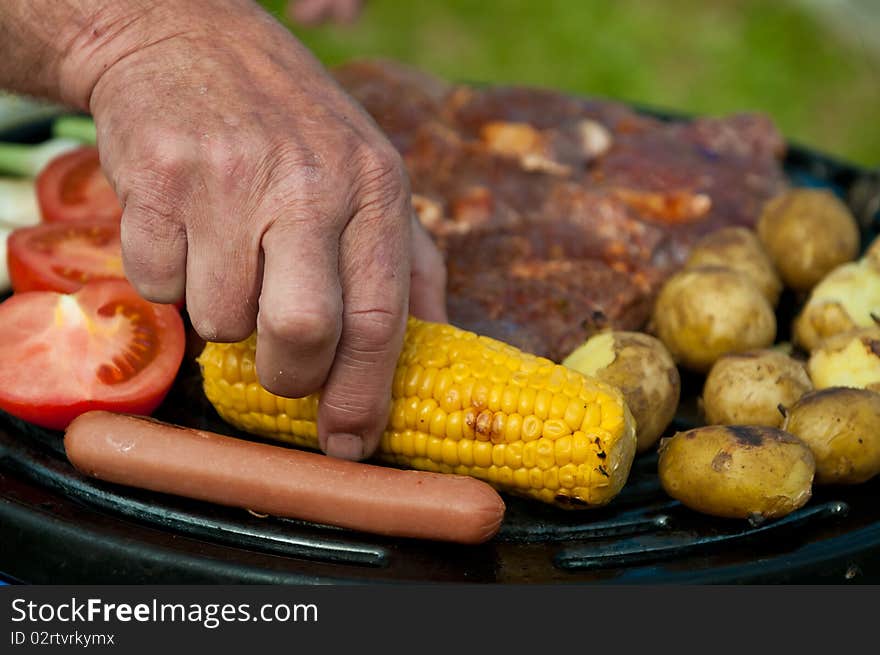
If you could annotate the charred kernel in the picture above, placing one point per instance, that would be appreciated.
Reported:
(496, 434)
(483, 425)
(469, 422)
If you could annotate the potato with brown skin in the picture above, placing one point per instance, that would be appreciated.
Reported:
(705, 312)
(641, 367)
(750, 388)
(808, 233)
(846, 299)
(738, 248)
(737, 471)
(842, 428)
(850, 359)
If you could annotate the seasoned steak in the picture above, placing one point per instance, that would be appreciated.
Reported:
(559, 215)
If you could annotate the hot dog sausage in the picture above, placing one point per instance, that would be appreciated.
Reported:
(280, 481)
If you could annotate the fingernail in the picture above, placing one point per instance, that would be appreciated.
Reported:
(345, 446)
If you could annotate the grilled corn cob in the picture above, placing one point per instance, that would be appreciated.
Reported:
(465, 404)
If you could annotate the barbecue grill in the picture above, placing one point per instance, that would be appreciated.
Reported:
(60, 527)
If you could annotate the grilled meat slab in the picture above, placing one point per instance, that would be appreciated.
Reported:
(559, 215)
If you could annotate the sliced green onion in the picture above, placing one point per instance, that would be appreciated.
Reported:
(28, 159)
(79, 128)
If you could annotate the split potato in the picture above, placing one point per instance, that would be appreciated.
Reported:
(737, 471)
(847, 298)
(842, 428)
(808, 233)
(740, 249)
(753, 388)
(641, 367)
(705, 312)
(850, 359)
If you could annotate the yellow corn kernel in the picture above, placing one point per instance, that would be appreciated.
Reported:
(461, 404)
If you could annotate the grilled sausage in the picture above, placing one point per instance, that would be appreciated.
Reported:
(280, 481)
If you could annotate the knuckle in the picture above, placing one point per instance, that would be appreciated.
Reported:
(372, 332)
(311, 329)
(383, 181)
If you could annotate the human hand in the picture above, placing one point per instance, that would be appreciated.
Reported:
(254, 184)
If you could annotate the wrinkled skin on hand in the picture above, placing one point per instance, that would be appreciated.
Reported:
(255, 186)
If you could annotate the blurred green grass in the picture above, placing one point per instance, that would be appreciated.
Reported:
(820, 83)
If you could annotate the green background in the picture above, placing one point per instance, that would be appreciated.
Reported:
(812, 65)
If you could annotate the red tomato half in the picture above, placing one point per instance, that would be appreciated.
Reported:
(64, 256)
(72, 187)
(103, 347)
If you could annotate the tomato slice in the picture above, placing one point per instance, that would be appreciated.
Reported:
(103, 347)
(64, 256)
(72, 187)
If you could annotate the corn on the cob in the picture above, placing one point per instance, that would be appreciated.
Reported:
(465, 404)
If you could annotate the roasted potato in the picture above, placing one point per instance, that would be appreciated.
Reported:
(738, 248)
(807, 233)
(705, 312)
(842, 428)
(850, 359)
(737, 471)
(750, 388)
(847, 298)
(640, 366)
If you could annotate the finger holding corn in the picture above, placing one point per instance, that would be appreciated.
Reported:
(465, 404)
